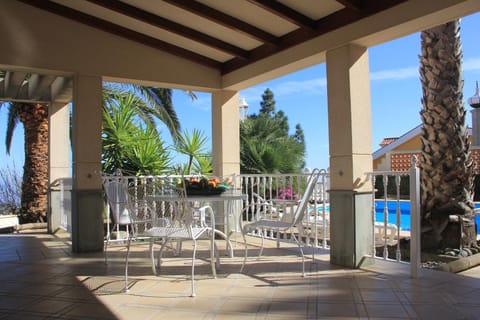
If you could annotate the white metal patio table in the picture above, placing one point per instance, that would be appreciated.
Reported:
(228, 197)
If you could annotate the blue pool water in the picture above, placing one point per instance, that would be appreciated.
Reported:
(404, 213)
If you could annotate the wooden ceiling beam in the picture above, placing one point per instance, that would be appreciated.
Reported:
(61, 89)
(225, 20)
(171, 26)
(39, 86)
(13, 82)
(329, 23)
(352, 4)
(285, 12)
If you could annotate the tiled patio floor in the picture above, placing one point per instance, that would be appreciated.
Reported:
(41, 279)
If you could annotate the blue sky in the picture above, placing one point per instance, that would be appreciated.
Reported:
(395, 97)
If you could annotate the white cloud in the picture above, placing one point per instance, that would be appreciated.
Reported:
(253, 94)
(395, 74)
(203, 102)
(312, 86)
(287, 88)
(318, 85)
(471, 64)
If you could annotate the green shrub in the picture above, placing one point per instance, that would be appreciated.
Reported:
(391, 187)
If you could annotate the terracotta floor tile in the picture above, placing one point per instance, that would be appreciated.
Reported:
(386, 310)
(45, 281)
(333, 310)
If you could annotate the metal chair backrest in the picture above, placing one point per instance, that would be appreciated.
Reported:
(116, 190)
(303, 204)
(182, 212)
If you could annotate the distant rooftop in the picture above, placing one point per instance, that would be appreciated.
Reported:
(389, 144)
(387, 141)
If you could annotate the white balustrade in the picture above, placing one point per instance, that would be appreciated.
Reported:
(387, 233)
(276, 194)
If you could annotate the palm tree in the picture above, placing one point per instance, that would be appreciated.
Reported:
(265, 143)
(447, 171)
(191, 145)
(152, 103)
(265, 146)
(203, 164)
(259, 137)
(34, 118)
(117, 130)
(147, 156)
(126, 144)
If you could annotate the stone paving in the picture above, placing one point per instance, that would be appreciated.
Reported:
(41, 279)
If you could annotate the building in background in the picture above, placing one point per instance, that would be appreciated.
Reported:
(395, 154)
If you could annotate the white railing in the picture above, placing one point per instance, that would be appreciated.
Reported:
(65, 201)
(60, 205)
(261, 190)
(264, 189)
(387, 234)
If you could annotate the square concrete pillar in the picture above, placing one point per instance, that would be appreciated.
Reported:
(87, 198)
(350, 227)
(59, 163)
(349, 122)
(226, 150)
(225, 133)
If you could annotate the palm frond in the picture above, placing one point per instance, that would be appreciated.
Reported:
(12, 122)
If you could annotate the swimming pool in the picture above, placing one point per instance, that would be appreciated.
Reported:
(404, 213)
(392, 213)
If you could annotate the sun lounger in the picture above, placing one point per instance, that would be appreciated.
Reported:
(389, 235)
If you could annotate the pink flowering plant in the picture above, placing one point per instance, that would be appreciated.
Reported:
(287, 193)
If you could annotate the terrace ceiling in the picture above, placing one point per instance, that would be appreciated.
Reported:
(226, 35)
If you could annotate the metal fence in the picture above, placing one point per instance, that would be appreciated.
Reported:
(389, 226)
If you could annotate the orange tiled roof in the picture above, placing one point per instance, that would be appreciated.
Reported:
(387, 141)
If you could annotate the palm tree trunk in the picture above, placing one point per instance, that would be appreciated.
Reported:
(34, 118)
(447, 171)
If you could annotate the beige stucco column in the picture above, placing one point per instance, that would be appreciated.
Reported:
(59, 163)
(226, 152)
(87, 200)
(225, 133)
(349, 122)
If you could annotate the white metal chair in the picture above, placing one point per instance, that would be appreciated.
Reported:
(115, 187)
(263, 223)
(262, 204)
(160, 211)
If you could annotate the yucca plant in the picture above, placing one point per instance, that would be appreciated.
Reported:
(127, 145)
(192, 145)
